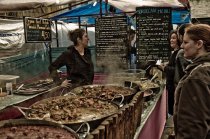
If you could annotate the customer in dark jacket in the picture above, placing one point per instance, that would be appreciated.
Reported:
(181, 61)
(169, 69)
(192, 96)
(77, 59)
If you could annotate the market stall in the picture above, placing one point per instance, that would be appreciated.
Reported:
(139, 116)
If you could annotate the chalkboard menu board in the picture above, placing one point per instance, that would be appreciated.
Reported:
(37, 29)
(153, 25)
(111, 37)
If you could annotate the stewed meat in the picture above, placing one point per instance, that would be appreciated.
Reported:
(35, 132)
(70, 109)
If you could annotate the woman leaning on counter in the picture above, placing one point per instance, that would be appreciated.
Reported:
(192, 95)
(77, 59)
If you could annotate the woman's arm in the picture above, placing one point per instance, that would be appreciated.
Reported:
(58, 63)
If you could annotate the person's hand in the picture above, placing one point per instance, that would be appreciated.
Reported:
(66, 83)
(161, 66)
(158, 62)
(165, 63)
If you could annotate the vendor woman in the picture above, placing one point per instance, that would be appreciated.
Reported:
(77, 59)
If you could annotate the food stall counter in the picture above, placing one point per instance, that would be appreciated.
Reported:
(153, 118)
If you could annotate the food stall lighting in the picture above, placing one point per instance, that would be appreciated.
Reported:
(94, 4)
(57, 1)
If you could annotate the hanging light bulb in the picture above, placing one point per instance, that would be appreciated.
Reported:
(94, 4)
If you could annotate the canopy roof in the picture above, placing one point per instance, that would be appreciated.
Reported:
(83, 12)
(179, 14)
(130, 5)
(19, 5)
(124, 5)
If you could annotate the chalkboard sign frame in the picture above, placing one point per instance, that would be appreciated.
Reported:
(147, 15)
(37, 30)
(111, 43)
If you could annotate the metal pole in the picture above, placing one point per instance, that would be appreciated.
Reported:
(79, 20)
(50, 52)
(106, 7)
(56, 32)
(100, 8)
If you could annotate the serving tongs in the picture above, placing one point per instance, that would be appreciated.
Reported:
(80, 131)
(154, 77)
(20, 87)
(120, 104)
(21, 109)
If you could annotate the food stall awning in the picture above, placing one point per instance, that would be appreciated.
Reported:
(20, 5)
(130, 5)
(124, 5)
(179, 13)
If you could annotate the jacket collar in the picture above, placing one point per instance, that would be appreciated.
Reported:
(197, 61)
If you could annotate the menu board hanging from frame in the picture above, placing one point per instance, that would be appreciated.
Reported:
(111, 38)
(37, 30)
(153, 25)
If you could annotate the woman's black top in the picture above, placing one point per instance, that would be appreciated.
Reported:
(80, 69)
(170, 69)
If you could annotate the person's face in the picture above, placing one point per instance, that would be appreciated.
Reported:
(190, 47)
(173, 41)
(131, 37)
(85, 40)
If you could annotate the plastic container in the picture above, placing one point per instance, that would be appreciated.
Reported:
(4, 79)
(9, 88)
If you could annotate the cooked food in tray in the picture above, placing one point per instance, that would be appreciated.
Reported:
(70, 109)
(34, 88)
(29, 91)
(103, 91)
(34, 132)
(148, 92)
(41, 83)
(144, 85)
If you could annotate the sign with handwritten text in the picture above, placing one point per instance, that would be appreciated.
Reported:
(111, 37)
(153, 28)
(37, 29)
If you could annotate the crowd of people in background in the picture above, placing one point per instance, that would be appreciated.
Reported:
(188, 81)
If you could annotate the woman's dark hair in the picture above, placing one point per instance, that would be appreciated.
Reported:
(174, 32)
(77, 33)
(182, 27)
(200, 32)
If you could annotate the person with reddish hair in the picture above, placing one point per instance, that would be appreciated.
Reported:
(192, 95)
